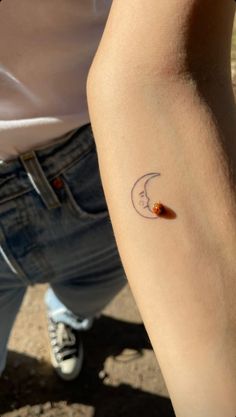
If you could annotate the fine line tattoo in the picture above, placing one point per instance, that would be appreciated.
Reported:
(140, 198)
(147, 205)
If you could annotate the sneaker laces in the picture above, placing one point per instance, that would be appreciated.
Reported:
(63, 341)
(65, 336)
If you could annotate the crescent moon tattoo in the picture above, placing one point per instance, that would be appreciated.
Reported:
(140, 198)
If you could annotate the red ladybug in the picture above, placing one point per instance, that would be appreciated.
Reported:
(158, 208)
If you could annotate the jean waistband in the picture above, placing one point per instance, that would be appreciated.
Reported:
(35, 168)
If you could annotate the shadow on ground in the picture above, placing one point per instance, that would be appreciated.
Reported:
(27, 381)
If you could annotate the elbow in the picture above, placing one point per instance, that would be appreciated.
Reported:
(115, 83)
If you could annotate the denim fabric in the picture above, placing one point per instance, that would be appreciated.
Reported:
(55, 228)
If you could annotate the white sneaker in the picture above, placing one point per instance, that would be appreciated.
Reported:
(66, 350)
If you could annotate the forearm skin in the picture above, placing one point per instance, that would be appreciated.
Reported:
(182, 271)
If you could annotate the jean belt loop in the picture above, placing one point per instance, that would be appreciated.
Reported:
(39, 180)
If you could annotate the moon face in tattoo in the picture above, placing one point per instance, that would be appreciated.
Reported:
(140, 198)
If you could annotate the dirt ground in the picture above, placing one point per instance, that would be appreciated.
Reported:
(120, 376)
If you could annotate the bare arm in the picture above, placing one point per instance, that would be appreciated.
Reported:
(160, 101)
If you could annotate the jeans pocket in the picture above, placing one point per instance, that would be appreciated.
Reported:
(83, 187)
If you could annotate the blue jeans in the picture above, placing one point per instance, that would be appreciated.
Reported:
(55, 228)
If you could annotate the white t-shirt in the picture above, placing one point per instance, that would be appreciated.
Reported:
(46, 49)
